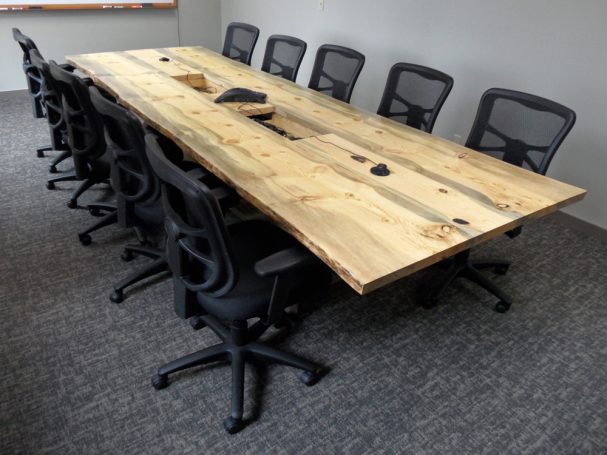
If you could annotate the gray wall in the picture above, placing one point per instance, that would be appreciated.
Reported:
(59, 33)
(553, 48)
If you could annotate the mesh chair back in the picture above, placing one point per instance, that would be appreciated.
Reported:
(283, 56)
(32, 76)
(52, 101)
(336, 70)
(198, 246)
(131, 174)
(414, 95)
(240, 42)
(519, 128)
(84, 125)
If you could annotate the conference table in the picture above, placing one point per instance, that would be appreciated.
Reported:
(305, 161)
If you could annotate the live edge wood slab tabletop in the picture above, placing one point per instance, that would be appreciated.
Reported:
(440, 198)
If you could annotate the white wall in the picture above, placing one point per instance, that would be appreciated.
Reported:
(552, 48)
(59, 33)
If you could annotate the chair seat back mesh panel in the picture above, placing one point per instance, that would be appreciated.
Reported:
(519, 128)
(336, 70)
(283, 56)
(414, 95)
(240, 42)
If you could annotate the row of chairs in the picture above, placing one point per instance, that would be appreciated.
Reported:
(235, 277)
(414, 94)
(519, 128)
(235, 272)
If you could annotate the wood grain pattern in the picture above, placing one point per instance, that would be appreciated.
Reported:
(370, 230)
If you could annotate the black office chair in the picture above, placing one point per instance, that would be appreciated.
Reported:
(521, 129)
(414, 95)
(226, 275)
(85, 134)
(35, 87)
(32, 76)
(34, 80)
(336, 70)
(137, 188)
(51, 100)
(283, 56)
(240, 42)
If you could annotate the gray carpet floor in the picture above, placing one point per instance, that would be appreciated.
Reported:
(75, 369)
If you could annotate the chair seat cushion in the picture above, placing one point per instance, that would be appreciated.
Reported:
(251, 241)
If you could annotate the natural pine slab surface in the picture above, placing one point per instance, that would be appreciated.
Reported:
(439, 199)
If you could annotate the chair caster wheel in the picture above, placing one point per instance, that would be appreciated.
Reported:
(95, 212)
(39, 153)
(160, 381)
(197, 323)
(72, 204)
(52, 169)
(127, 256)
(501, 270)
(85, 239)
(50, 185)
(232, 425)
(310, 378)
(117, 297)
(502, 307)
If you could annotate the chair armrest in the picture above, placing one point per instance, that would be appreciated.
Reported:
(284, 261)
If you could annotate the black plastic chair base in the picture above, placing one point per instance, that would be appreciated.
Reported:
(158, 266)
(106, 220)
(239, 346)
(64, 155)
(40, 150)
(71, 177)
(461, 266)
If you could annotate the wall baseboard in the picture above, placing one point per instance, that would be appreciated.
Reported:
(12, 94)
(584, 227)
